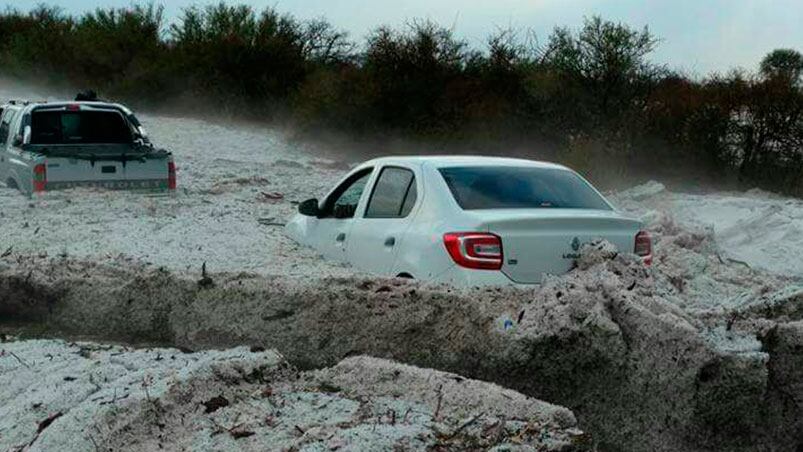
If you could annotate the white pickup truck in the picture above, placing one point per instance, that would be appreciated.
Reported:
(49, 146)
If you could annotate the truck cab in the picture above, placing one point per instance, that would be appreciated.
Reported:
(51, 146)
(9, 113)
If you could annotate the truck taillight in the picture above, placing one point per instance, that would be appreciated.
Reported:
(643, 246)
(475, 250)
(171, 175)
(39, 177)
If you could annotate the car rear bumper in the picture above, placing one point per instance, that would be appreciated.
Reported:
(464, 277)
(141, 184)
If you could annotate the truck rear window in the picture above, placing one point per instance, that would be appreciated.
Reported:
(79, 127)
(513, 187)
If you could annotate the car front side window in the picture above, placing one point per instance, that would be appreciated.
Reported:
(343, 202)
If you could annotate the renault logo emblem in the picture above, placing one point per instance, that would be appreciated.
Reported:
(575, 244)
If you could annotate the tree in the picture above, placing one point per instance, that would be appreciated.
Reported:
(325, 44)
(605, 76)
(413, 70)
(602, 51)
(786, 64)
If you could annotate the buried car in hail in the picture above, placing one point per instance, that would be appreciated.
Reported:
(48, 146)
(463, 220)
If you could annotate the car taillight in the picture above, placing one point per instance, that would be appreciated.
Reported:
(171, 175)
(475, 250)
(643, 246)
(39, 177)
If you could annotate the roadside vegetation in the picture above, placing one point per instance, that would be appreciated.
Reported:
(590, 97)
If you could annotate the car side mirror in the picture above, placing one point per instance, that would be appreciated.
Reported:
(309, 208)
(139, 139)
(23, 138)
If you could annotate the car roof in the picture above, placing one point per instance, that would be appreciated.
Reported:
(82, 103)
(9, 105)
(442, 161)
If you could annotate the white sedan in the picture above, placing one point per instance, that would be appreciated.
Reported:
(466, 221)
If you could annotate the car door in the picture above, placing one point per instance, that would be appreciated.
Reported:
(377, 234)
(17, 166)
(335, 218)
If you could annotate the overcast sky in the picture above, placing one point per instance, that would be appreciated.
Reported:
(698, 36)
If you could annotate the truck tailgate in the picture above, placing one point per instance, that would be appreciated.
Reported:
(65, 172)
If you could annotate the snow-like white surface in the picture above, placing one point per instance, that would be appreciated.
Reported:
(760, 229)
(84, 397)
(227, 177)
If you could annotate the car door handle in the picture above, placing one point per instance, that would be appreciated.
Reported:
(341, 237)
(390, 241)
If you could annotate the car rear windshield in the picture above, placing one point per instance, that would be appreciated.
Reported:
(79, 127)
(515, 187)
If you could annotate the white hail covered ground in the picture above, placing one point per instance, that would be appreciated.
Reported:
(237, 184)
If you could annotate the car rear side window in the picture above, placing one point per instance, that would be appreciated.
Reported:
(394, 194)
(79, 127)
(409, 200)
(515, 187)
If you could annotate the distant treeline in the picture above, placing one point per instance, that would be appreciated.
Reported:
(588, 97)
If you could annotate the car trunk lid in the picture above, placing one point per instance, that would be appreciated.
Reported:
(537, 242)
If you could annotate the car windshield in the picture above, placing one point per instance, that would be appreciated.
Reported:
(79, 127)
(516, 187)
